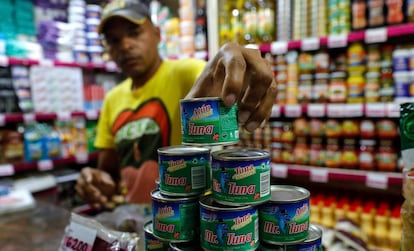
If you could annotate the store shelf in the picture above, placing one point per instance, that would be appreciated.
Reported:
(345, 110)
(371, 179)
(107, 66)
(30, 117)
(373, 35)
(44, 165)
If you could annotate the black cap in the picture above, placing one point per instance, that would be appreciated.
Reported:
(132, 10)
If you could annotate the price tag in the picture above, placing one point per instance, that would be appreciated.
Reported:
(45, 165)
(91, 114)
(278, 47)
(338, 41)
(275, 111)
(293, 111)
(64, 116)
(279, 171)
(376, 35)
(2, 119)
(6, 170)
(375, 110)
(316, 110)
(78, 237)
(354, 110)
(29, 118)
(46, 62)
(393, 110)
(310, 44)
(81, 158)
(377, 180)
(4, 60)
(319, 175)
(335, 110)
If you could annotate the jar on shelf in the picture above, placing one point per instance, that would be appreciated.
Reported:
(301, 151)
(376, 13)
(333, 153)
(287, 153)
(317, 154)
(387, 129)
(276, 152)
(359, 20)
(317, 128)
(277, 130)
(333, 128)
(367, 129)
(395, 13)
(337, 88)
(287, 136)
(372, 87)
(355, 87)
(387, 90)
(386, 156)
(350, 128)
(305, 88)
(349, 156)
(320, 88)
(356, 55)
(373, 58)
(301, 127)
(367, 154)
(321, 61)
(267, 135)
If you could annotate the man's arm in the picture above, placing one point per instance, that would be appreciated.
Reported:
(108, 161)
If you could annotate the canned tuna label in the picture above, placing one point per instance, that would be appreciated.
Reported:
(152, 243)
(175, 219)
(228, 228)
(285, 218)
(207, 121)
(241, 176)
(184, 170)
(312, 243)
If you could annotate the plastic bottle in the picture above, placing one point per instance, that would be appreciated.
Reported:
(328, 217)
(200, 36)
(367, 221)
(381, 231)
(250, 22)
(315, 213)
(224, 23)
(395, 228)
(266, 20)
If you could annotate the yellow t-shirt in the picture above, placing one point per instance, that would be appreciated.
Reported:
(137, 123)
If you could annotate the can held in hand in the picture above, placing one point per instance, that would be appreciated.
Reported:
(228, 228)
(285, 218)
(175, 219)
(207, 121)
(241, 176)
(152, 243)
(312, 243)
(184, 170)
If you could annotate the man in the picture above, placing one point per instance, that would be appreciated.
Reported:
(142, 113)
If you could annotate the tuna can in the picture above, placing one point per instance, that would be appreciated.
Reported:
(241, 176)
(312, 243)
(175, 219)
(184, 170)
(227, 227)
(152, 243)
(207, 121)
(185, 246)
(285, 218)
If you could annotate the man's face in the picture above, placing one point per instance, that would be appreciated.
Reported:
(134, 48)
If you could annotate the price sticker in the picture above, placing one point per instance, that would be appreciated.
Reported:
(338, 41)
(29, 118)
(81, 158)
(78, 237)
(310, 44)
(393, 110)
(2, 119)
(91, 114)
(377, 180)
(278, 47)
(319, 175)
(6, 170)
(375, 110)
(64, 116)
(46, 62)
(279, 171)
(316, 110)
(45, 165)
(293, 111)
(354, 110)
(275, 111)
(376, 35)
(335, 110)
(4, 60)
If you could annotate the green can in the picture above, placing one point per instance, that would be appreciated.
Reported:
(241, 176)
(152, 243)
(285, 218)
(227, 227)
(175, 219)
(184, 170)
(207, 121)
(185, 246)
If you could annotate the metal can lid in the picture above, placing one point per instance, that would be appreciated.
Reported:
(240, 154)
(287, 193)
(185, 246)
(209, 203)
(315, 233)
(158, 196)
(200, 99)
(148, 227)
(183, 150)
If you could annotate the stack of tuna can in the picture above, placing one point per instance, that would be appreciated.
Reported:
(223, 200)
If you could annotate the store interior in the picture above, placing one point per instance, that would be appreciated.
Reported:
(342, 68)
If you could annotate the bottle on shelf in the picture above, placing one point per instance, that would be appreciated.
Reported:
(381, 227)
(250, 22)
(395, 228)
(236, 21)
(225, 34)
(266, 20)
(200, 36)
(367, 221)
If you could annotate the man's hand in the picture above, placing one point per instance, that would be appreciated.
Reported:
(95, 187)
(239, 74)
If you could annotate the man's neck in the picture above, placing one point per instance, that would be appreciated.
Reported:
(141, 80)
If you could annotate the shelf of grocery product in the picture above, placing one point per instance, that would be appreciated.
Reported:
(337, 110)
(107, 66)
(372, 35)
(371, 179)
(45, 165)
(31, 117)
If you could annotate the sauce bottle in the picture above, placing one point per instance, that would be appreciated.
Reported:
(395, 229)
(381, 227)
